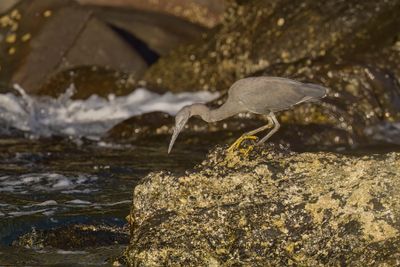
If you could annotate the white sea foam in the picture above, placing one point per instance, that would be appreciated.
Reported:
(385, 132)
(46, 182)
(113, 145)
(77, 191)
(49, 212)
(25, 213)
(78, 202)
(62, 116)
(71, 252)
(44, 203)
(116, 203)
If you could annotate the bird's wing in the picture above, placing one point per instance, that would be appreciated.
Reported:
(264, 94)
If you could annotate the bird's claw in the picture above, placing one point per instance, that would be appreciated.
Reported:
(246, 151)
(239, 141)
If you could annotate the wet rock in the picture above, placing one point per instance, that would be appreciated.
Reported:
(101, 256)
(89, 80)
(197, 132)
(142, 126)
(304, 129)
(272, 207)
(158, 125)
(73, 237)
(350, 47)
(256, 35)
(361, 98)
(204, 12)
(47, 45)
(46, 37)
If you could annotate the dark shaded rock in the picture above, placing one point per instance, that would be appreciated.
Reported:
(298, 137)
(142, 126)
(361, 97)
(197, 132)
(74, 237)
(159, 32)
(5, 5)
(260, 34)
(204, 12)
(88, 81)
(270, 208)
(348, 46)
(101, 256)
(46, 37)
(46, 44)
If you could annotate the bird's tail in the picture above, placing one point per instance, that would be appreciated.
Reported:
(314, 91)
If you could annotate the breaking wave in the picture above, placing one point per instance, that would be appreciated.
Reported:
(47, 182)
(91, 118)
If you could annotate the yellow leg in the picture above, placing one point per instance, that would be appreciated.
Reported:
(239, 141)
(246, 151)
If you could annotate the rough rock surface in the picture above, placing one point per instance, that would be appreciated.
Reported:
(160, 32)
(270, 208)
(46, 37)
(204, 12)
(47, 45)
(352, 47)
(257, 35)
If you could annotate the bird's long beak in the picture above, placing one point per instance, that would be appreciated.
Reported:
(177, 130)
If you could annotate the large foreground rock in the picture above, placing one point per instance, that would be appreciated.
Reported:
(271, 208)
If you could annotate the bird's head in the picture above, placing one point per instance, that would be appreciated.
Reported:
(180, 120)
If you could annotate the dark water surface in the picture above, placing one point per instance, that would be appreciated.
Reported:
(50, 183)
(55, 182)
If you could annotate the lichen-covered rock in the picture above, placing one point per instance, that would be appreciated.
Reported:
(256, 35)
(270, 208)
(352, 47)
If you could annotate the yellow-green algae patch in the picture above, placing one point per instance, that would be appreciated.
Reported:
(354, 182)
(272, 207)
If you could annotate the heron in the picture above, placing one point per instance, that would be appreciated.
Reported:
(259, 95)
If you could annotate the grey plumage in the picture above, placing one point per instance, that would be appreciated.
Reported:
(259, 95)
(264, 94)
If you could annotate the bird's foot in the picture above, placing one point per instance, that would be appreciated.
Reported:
(246, 151)
(239, 141)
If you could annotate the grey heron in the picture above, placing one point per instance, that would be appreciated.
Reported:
(259, 95)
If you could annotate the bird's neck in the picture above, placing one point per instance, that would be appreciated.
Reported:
(200, 110)
(214, 115)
